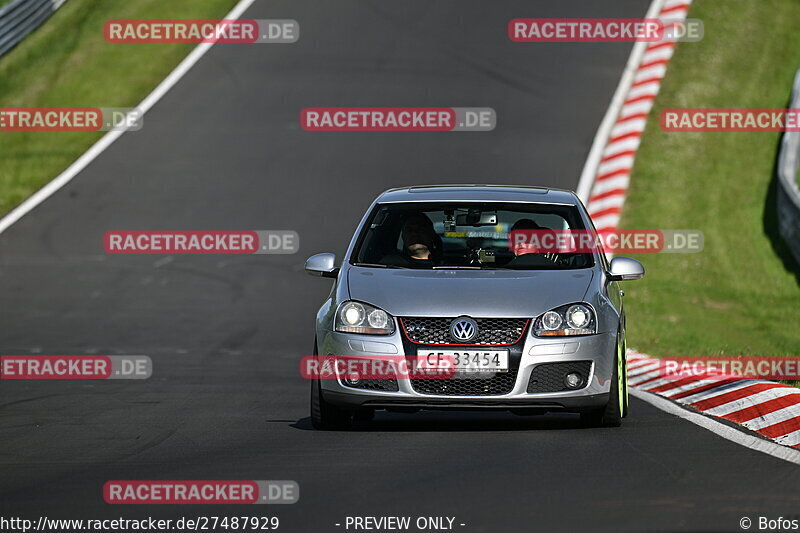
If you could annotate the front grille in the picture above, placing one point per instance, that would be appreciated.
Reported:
(491, 331)
(549, 377)
(384, 385)
(469, 385)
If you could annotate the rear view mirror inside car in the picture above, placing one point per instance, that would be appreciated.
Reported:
(477, 218)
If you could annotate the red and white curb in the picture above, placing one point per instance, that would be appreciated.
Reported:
(605, 178)
(770, 409)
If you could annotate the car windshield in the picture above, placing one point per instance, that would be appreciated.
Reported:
(465, 235)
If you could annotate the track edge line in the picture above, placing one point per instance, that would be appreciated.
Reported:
(722, 430)
(609, 119)
(108, 139)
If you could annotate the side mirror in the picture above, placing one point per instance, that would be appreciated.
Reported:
(625, 269)
(322, 265)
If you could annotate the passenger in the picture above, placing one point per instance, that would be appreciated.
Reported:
(421, 243)
(526, 254)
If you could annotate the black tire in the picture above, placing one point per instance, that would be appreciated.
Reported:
(616, 409)
(625, 370)
(324, 415)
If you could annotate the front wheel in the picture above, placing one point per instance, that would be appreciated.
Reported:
(617, 407)
(325, 415)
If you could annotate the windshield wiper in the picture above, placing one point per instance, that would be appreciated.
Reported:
(456, 267)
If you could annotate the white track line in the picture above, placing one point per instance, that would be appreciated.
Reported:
(620, 95)
(604, 180)
(726, 432)
(599, 163)
(756, 423)
(106, 140)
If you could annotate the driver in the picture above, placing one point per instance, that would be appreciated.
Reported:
(524, 224)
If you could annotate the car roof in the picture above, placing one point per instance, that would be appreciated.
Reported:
(476, 192)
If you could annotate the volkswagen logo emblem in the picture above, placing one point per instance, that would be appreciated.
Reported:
(463, 329)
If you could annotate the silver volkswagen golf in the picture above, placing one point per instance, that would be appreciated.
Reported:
(431, 278)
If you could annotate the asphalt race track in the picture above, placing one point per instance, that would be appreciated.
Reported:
(224, 150)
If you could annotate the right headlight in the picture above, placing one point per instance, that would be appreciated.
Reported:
(570, 319)
(358, 317)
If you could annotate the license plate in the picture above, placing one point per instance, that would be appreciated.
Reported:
(466, 361)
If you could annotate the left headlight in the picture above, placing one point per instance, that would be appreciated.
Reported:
(357, 317)
(571, 319)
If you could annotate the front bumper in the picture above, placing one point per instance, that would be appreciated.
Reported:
(599, 349)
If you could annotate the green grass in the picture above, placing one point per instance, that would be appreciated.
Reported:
(66, 62)
(740, 296)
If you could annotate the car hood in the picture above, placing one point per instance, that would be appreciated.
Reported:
(486, 293)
